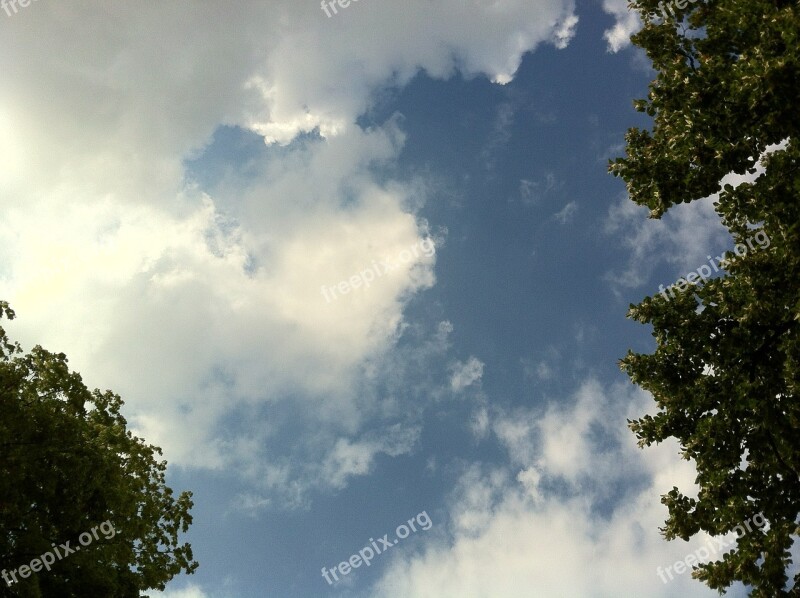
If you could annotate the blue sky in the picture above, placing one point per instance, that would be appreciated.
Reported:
(179, 181)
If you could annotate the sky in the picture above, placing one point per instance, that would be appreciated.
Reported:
(362, 275)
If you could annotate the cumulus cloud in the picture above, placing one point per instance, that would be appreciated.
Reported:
(192, 305)
(534, 526)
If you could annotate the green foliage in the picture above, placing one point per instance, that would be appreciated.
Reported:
(726, 366)
(67, 464)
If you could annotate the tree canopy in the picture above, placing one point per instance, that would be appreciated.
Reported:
(725, 373)
(69, 465)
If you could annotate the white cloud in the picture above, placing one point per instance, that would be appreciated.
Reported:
(566, 213)
(466, 373)
(683, 238)
(628, 23)
(192, 306)
(539, 527)
(533, 192)
(344, 59)
(479, 423)
(349, 459)
(541, 369)
(565, 32)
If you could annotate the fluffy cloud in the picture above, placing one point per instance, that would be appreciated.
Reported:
(195, 306)
(627, 23)
(542, 527)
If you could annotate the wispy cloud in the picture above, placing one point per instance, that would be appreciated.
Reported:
(466, 373)
(566, 213)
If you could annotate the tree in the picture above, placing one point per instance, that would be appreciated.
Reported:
(68, 465)
(725, 373)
